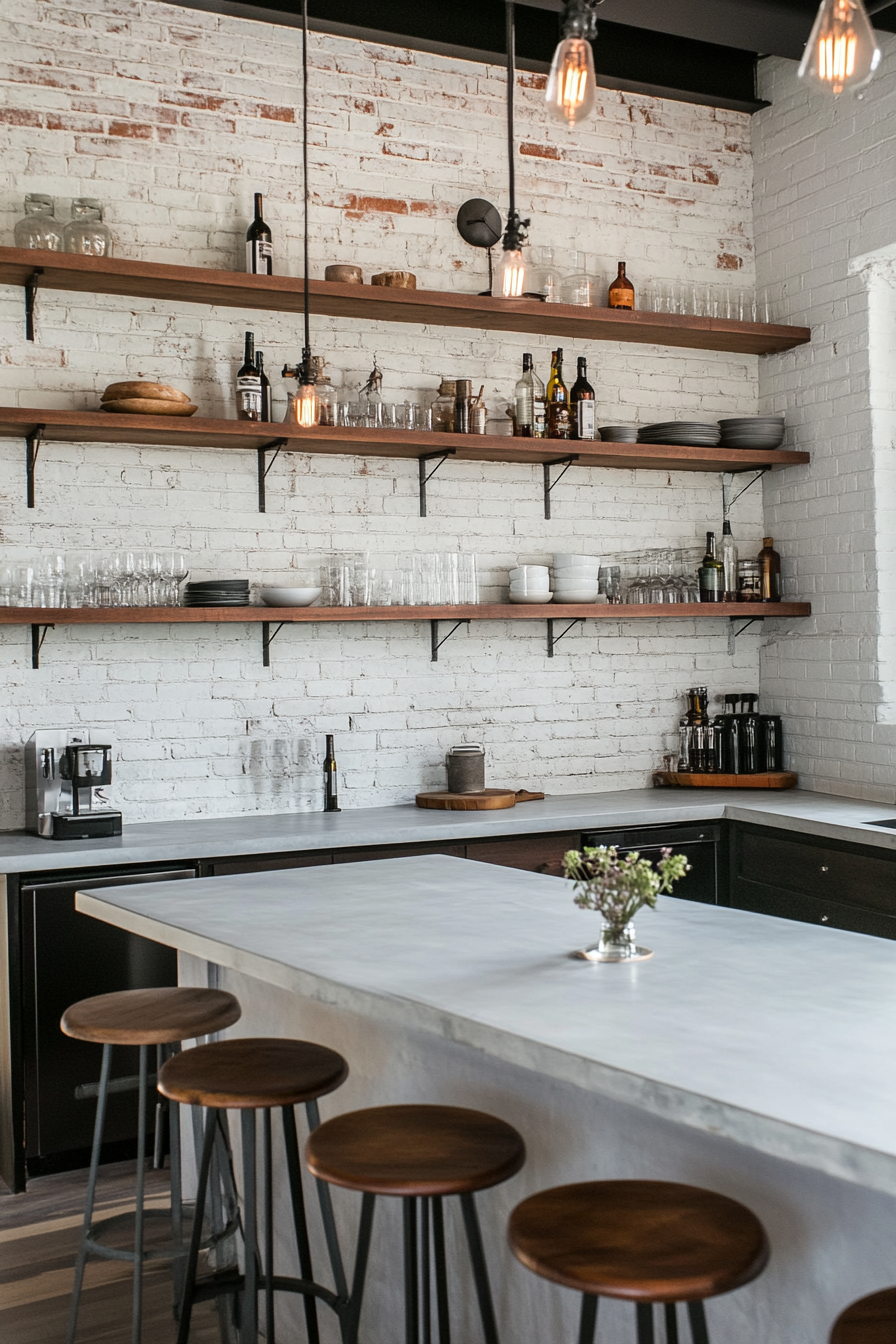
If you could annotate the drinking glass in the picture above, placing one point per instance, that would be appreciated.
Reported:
(142, 578)
(639, 588)
(547, 276)
(467, 579)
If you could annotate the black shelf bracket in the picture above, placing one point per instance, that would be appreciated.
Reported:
(436, 642)
(264, 467)
(32, 448)
(267, 640)
(565, 463)
(554, 640)
(727, 498)
(733, 634)
(425, 475)
(38, 635)
(31, 285)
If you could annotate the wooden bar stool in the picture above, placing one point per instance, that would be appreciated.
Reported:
(871, 1320)
(141, 1017)
(250, 1075)
(647, 1242)
(418, 1153)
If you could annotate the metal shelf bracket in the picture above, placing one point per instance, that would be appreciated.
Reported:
(425, 475)
(733, 634)
(728, 485)
(264, 467)
(38, 635)
(436, 642)
(32, 448)
(31, 285)
(267, 640)
(565, 463)
(554, 640)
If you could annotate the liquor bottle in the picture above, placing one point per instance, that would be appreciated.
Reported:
(259, 245)
(711, 575)
(622, 291)
(266, 411)
(248, 385)
(697, 720)
(729, 562)
(529, 403)
(331, 784)
(581, 406)
(557, 399)
(769, 572)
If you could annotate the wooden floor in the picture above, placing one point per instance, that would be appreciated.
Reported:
(39, 1233)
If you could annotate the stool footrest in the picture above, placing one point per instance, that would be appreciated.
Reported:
(166, 1252)
(232, 1281)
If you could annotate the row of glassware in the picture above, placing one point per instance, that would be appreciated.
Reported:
(117, 579)
(85, 232)
(357, 579)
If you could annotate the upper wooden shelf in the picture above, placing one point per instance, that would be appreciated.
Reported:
(284, 294)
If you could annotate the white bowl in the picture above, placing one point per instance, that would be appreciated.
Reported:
(289, 597)
(531, 599)
(567, 561)
(583, 573)
(573, 595)
(534, 586)
(529, 572)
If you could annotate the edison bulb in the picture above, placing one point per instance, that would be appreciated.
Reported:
(304, 407)
(571, 91)
(842, 51)
(511, 274)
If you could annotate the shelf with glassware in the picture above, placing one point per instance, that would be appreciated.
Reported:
(37, 270)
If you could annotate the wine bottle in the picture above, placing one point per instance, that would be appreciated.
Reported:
(259, 244)
(557, 401)
(769, 572)
(581, 406)
(622, 291)
(529, 404)
(331, 789)
(729, 562)
(711, 575)
(248, 384)
(266, 410)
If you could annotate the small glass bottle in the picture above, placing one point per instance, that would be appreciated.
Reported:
(39, 227)
(711, 574)
(729, 562)
(622, 291)
(684, 747)
(443, 407)
(331, 786)
(557, 399)
(769, 571)
(85, 232)
(529, 404)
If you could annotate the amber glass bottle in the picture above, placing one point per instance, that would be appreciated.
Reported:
(769, 571)
(557, 399)
(622, 291)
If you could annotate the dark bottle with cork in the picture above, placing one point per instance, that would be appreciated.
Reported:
(769, 572)
(711, 575)
(331, 787)
(622, 291)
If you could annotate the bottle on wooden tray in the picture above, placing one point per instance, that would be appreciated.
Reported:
(248, 384)
(557, 399)
(771, 742)
(622, 291)
(711, 575)
(582, 406)
(749, 736)
(266, 410)
(259, 244)
(769, 571)
(529, 404)
(331, 789)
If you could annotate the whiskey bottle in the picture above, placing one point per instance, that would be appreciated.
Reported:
(331, 789)
(529, 404)
(248, 384)
(711, 575)
(266, 410)
(622, 291)
(769, 572)
(581, 406)
(729, 562)
(259, 244)
(557, 399)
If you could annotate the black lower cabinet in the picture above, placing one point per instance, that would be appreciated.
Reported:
(702, 843)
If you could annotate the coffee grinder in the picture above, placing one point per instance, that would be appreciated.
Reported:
(65, 774)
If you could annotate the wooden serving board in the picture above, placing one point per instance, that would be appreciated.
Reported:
(485, 801)
(774, 779)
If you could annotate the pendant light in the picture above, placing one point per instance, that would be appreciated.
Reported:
(571, 85)
(842, 51)
(306, 407)
(511, 269)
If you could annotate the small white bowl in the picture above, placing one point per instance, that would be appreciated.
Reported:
(584, 595)
(586, 572)
(290, 597)
(529, 572)
(531, 599)
(533, 586)
(564, 560)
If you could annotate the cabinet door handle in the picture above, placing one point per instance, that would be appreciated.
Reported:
(824, 867)
(824, 919)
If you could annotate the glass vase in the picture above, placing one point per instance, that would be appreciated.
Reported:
(39, 227)
(86, 233)
(617, 943)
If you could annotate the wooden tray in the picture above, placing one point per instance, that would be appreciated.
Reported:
(775, 779)
(486, 800)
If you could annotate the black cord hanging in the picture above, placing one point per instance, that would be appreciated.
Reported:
(306, 372)
(515, 234)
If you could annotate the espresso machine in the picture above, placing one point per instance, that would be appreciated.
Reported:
(65, 773)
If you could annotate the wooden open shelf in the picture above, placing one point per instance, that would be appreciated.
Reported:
(370, 303)
(196, 432)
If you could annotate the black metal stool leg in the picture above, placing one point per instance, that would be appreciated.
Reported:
(480, 1271)
(671, 1323)
(91, 1190)
(425, 1272)
(438, 1246)
(411, 1298)
(588, 1320)
(293, 1167)
(644, 1312)
(350, 1330)
(186, 1306)
(267, 1159)
(697, 1318)
(138, 1215)
(312, 1113)
(249, 1313)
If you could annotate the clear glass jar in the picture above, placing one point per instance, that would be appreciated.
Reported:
(39, 227)
(86, 233)
(581, 287)
(443, 406)
(326, 393)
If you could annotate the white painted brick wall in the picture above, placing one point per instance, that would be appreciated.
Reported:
(174, 117)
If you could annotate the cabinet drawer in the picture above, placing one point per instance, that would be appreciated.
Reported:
(266, 864)
(395, 852)
(536, 853)
(820, 871)
(767, 900)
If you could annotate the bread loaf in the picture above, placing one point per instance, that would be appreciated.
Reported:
(154, 391)
(149, 406)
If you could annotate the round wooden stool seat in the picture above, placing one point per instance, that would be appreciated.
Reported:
(252, 1074)
(643, 1241)
(150, 1016)
(415, 1151)
(871, 1320)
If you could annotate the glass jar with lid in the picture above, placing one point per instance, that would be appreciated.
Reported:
(443, 406)
(85, 232)
(39, 227)
(326, 392)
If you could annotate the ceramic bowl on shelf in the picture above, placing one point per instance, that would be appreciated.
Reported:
(576, 595)
(525, 573)
(289, 597)
(563, 560)
(531, 599)
(533, 586)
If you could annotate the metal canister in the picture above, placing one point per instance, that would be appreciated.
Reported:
(771, 742)
(466, 768)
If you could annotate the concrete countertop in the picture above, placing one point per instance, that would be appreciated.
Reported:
(775, 1034)
(818, 814)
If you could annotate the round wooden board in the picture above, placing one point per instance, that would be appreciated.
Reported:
(486, 800)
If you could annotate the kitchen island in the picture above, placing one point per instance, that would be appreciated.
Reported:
(751, 1055)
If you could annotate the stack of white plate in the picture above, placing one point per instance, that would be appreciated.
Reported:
(753, 431)
(530, 584)
(618, 433)
(687, 433)
(575, 577)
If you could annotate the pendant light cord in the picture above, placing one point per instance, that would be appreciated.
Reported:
(511, 80)
(307, 351)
